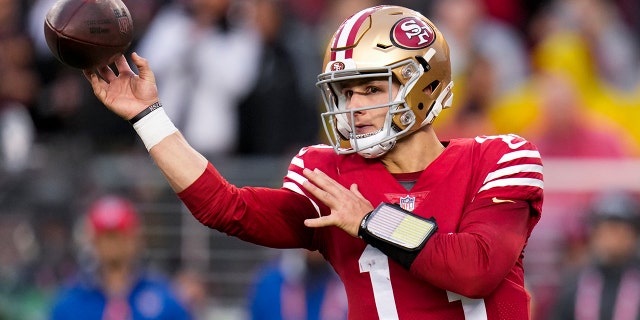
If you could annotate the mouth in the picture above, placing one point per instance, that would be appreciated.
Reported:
(365, 131)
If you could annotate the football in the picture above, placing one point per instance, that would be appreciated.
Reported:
(84, 34)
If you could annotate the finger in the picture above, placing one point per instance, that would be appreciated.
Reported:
(106, 73)
(143, 67)
(122, 65)
(324, 221)
(317, 192)
(87, 74)
(323, 181)
(96, 83)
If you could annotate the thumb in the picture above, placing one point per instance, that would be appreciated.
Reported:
(323, 221)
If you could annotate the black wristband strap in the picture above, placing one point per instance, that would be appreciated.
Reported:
(402, 257)
(145, 112)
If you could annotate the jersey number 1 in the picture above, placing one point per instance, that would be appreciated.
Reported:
(376, 264)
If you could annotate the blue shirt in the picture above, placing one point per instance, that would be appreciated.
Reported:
(149, 298)
(319, 297)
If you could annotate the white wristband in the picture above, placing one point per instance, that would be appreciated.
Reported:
(154, 127)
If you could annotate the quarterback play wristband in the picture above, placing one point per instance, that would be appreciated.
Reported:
(398, 227)
(397, 233)
(153, 127)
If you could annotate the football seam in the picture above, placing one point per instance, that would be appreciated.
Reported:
(71, 18)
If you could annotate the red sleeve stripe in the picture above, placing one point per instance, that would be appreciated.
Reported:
(346, 34)
(519, 154)
(535, 168)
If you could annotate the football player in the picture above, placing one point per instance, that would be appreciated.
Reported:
(416, 228)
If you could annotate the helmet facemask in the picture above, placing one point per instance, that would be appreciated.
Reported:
(338, 119)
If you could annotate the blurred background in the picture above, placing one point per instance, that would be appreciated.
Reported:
(238, 78)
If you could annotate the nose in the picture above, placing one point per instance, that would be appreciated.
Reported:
(355, 101)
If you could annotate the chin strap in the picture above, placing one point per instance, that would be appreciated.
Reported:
(377, 150)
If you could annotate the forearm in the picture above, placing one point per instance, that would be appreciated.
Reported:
(474, 261)
(179, 162)
(264, 216)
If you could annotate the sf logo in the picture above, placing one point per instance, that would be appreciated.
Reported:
(413, 29)
(337, 66)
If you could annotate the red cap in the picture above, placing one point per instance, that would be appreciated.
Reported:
(111, 213)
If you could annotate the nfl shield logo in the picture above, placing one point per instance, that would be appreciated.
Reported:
(123, 20)
(408, 203)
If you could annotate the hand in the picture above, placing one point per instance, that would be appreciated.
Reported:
(348, 206)
(127, 93)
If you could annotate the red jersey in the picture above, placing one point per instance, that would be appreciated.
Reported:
(485, 194)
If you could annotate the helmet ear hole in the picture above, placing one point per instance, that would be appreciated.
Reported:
(431, 88)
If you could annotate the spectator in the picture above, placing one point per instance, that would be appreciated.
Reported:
(116, 287)
(565, 127)
(217, 54)
(65, 110)
(608, 286)
(18, 89)
(565, 56)
(475, 93)
(610, 40)
(470, 32)
(299, 285)
(277, 99)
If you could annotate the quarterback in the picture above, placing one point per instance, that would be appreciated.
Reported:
(416, 228)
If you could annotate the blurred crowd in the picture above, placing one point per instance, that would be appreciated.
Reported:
(238, 78)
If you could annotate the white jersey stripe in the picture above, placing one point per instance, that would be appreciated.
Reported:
(508, 182)
(296, 177)
(295, 188)
(513, 170)
(298, 162)
(519, 154)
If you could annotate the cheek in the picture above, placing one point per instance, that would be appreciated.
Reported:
(381, 113)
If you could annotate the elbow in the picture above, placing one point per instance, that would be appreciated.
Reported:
(476, 286)
(476, 280)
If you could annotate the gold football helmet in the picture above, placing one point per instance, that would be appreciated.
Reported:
(393, 42)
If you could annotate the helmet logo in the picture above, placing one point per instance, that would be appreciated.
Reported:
(412, 33)
(337, 66)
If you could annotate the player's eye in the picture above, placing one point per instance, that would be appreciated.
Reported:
(348, 93)
(372, 89)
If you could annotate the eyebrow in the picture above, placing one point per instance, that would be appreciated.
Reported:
(362, 81)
